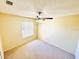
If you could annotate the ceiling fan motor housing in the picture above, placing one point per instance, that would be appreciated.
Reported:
(38, 18)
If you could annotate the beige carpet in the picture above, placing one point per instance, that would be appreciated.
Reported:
(38, 50)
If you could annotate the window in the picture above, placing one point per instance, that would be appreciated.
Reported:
(27, 29)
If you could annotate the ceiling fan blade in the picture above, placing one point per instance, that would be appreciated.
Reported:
(30, 17)
(48, 18)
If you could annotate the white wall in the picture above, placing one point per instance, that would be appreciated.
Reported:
(77, 51)
(61, 37)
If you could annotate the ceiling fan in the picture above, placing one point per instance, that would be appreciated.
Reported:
(39, 17)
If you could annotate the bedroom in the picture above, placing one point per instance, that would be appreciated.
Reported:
(61, 32)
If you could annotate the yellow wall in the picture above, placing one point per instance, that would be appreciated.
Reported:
(11, 31)
(71, 21)
(62, 32)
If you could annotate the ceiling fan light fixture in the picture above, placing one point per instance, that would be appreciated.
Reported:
(39, 21)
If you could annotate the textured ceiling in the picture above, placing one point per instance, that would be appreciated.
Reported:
(48, 7)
